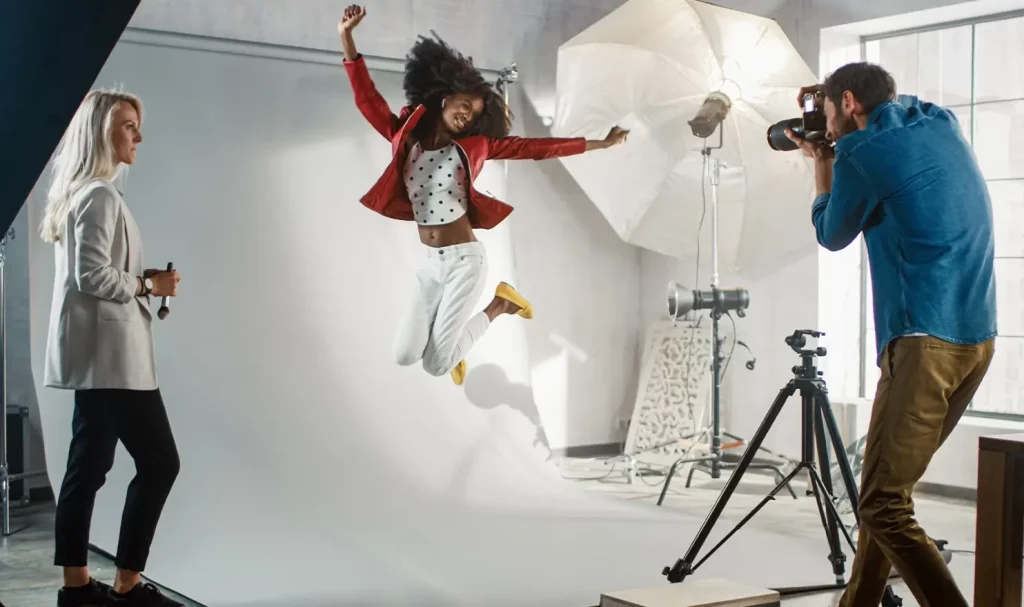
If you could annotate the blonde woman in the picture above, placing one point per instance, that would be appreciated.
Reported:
(100, 345)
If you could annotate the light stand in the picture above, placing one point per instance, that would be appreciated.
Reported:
(6, 478)
(719, 302)
(506, 77)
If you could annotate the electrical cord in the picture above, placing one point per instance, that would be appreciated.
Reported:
(696, 270)
(703, 213)
(728, 359)
(594, 478)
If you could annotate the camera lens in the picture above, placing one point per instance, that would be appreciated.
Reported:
(777, 139)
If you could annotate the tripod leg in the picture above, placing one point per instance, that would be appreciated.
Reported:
(683, 567)
(841, 458)
(771, 495)
(890, 599)
(837, 558)
(833, 511)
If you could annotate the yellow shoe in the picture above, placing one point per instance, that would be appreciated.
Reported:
(506, 292)
(459, 373)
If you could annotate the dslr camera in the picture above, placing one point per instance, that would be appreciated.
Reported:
(810, 126)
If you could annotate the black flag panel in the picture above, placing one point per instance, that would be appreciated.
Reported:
(51, 52)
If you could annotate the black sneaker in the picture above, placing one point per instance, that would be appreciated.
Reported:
(142, 595)
(93, 594)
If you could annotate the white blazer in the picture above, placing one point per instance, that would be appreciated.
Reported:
(100, 333)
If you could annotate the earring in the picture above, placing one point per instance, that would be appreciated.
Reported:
(442, 102)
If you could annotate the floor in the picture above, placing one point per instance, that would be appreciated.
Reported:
(27, 578)
(948, 519)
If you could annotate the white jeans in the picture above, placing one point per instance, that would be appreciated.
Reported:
(440, 327)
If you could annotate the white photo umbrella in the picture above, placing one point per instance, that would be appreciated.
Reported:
(648, 67)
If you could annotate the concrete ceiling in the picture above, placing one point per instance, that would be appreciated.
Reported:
(494, 32)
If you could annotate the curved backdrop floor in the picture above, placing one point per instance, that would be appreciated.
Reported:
(314, 470)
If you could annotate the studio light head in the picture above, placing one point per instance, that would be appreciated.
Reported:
(682, 300)
(711, 114)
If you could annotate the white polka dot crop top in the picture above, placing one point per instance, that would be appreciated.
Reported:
(436, 182)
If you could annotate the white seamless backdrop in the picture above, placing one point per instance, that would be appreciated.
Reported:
(315, 470)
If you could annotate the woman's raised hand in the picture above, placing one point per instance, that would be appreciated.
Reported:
(351, 18)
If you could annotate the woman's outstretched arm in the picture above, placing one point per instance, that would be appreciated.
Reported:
(371, 104)
(542, 148)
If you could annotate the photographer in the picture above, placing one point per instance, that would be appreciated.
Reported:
(901, 173)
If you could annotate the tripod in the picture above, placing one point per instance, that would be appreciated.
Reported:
(816, 419)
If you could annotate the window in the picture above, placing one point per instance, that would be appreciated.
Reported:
(977, 71)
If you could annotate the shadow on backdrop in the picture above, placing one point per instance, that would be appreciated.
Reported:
(489, 387)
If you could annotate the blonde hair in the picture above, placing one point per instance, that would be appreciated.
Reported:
(86, 152)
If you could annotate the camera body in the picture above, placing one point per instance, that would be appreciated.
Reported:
(811, 125)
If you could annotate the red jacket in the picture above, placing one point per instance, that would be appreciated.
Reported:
(389, 197)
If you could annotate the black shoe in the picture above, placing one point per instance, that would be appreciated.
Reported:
(93, 594)
(142, 595)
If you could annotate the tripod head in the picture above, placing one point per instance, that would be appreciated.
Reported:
(797, 341)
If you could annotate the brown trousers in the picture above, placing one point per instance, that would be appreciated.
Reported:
(925, 386)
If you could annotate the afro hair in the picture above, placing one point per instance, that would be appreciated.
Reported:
(434, 70)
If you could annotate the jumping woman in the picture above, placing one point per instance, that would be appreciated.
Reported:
(453, 121)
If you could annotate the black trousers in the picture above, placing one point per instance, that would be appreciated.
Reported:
(101, 418)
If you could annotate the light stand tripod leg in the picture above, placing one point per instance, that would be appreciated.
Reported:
(668, 479)
(672, 472)
(779, 474)
(684, 566)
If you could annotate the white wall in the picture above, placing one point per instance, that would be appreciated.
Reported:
(495, 34)
(313, 468)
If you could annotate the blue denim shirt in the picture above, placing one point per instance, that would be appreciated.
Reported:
(910, 182)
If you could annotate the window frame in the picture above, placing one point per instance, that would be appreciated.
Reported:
(865, 277)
